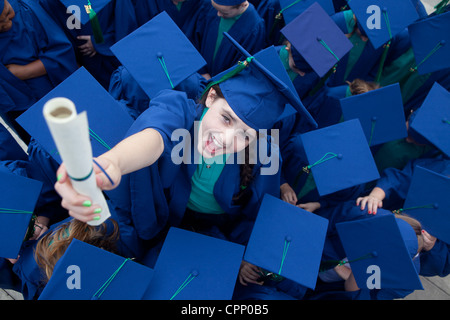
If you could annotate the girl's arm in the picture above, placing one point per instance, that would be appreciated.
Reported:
(131, 154)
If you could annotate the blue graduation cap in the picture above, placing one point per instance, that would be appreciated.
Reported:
(381, 20)
(380, 112)
(318, 39)
(192, 266)
(287, 241)
(339, 157)
(86, 272)
(2, 4)
(384, 245)
(18, 199)
(430, 40)
(108, 121)
(158, 55)
(291, 9)
(432, 119)
(428, 202)
(254, 91)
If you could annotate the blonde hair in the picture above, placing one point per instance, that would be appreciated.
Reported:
(417, 227)
(359, 86)
(51, 247)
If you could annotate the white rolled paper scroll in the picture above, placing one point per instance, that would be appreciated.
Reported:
(70, 131)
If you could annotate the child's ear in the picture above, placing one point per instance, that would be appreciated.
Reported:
(212, 94)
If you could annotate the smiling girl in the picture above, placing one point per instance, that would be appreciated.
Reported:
(212, 197)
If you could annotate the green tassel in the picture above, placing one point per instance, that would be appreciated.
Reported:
(440, 7)
(96, 29)
(382, 61)
(240, 66)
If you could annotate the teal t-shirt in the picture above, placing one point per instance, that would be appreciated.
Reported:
(203, 181)
(224, 26)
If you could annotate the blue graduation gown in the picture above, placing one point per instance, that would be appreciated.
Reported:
(248, 30)
(185, 18)
(159, 193)
(33, 36)
(268, 9)
(114, 27)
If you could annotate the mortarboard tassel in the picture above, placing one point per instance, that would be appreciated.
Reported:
(98, 139)
(95, 24)
(386, 46)
(241, 66)
(330, 264)
(322, 81)
(189, 278)
(160, 57)
(436, 48)
(428, 206)
(321, 160)
(105, 285)
(279, 16)
(287, 242)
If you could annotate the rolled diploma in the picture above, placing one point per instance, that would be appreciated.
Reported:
(70, 131)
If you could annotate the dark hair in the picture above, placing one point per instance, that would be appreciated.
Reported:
(246, 169)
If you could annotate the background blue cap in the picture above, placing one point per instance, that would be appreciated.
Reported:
(383, 242)
(288, 241)
(291, 9)
(108, 121)
(317, 38)
(102, 276)
(339, 157)
(381, 20)
(192, 266)
(432, 119)
(430, 40)
(17, 202)
(2, 5)
(428, 201)
(158, 55)
(380, 112)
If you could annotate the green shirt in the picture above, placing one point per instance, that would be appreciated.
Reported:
(203, 181)
(224, 26)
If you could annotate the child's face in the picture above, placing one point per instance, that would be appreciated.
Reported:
(6, 17)
(221, 131)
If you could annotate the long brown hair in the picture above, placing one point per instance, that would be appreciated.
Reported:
(246, 169)
(51, 247)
